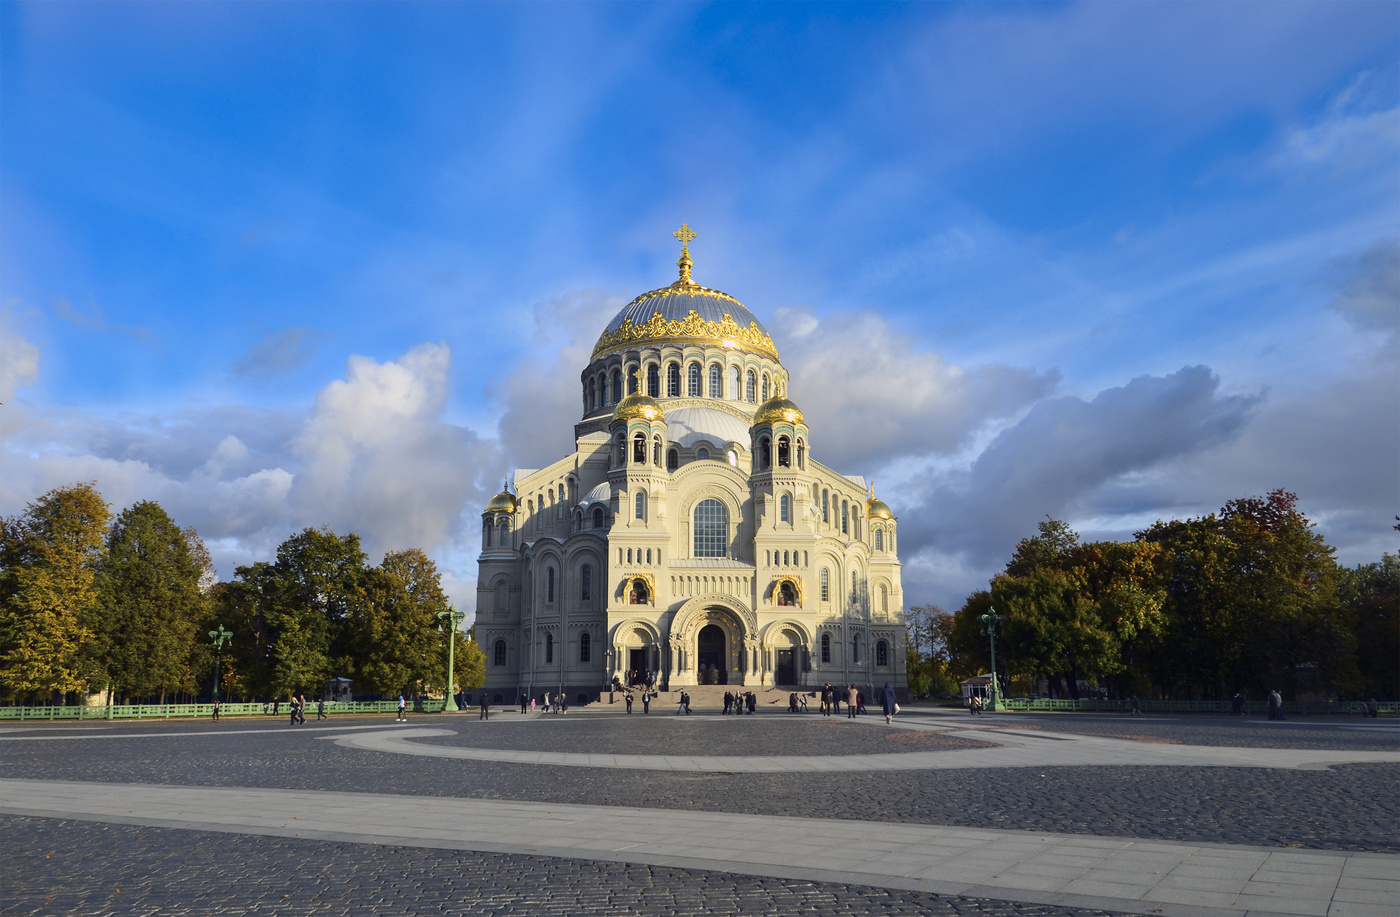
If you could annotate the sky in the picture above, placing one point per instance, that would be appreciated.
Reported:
(278, 265)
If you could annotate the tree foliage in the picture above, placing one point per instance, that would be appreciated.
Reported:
(49, 561)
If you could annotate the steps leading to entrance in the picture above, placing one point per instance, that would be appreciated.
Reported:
(712, 696)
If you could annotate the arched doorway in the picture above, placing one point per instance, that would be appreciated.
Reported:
(711, 658)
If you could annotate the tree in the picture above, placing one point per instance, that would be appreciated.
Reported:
(314, 582)
(1372, 594)
(149, 603)
(1044, 550)
(468, 663)
(49, 559)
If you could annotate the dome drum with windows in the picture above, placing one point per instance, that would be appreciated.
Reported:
(693, 535)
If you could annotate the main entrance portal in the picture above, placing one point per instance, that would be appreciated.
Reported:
(711, 656)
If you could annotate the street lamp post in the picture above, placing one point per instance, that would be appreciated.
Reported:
(989, 627)
(220, 637)
(453, 619)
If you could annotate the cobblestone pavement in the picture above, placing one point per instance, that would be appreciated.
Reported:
(1351, 733)
(1349, 807)
(56, 866)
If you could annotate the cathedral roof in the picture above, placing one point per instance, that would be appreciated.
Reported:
(688, 426)
(503, 502)
(685, 312)
(638, 405)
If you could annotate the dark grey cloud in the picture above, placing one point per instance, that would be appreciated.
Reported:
(1066, 449)
(1369, 288)
(277, 354)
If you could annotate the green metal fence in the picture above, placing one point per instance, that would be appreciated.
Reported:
(1294, 708)
(173, 711)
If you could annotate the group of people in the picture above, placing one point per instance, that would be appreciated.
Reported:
(737, 703)
(298, 710)
(648, 695)
(832, 698)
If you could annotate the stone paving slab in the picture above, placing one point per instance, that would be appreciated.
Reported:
(1012, 752)
(1014, 866)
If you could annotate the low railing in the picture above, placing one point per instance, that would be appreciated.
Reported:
(1294, 708)
(173, 711)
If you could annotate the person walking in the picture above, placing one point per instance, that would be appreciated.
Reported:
(1275, 705)
(1137, 707)
(216, 711)
(852, 700)
(888, 703)
(1373, 709)
(403, 710)
(646, 701)
(524, 702)
(292, 710)
(753, 703)
(826, 699)
(485, 713)
(301, 709)
(802, 701)
(320, 709)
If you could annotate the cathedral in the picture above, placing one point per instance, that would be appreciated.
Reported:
(692, 536)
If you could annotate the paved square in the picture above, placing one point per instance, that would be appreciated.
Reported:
(776, 813)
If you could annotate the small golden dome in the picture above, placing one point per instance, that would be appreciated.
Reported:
(876, 509)
(776, 410)
(638, 405)
(503, 502)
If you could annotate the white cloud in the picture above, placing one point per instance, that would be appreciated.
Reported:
(19, 359)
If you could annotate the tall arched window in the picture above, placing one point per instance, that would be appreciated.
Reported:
(826, 647)
(882, 654)
(673, 380)
(549, 587)
(853, 583)
(765, 453)
(641, 509)
(801, 454)
(656, 451)
(855, 648)
(654, 381)
(716, 381)
(826, 516)
(784, 508)
(826, 585)
(585, 583)
(884, 599)
(560, 505)
(879, 540)
(548, 648)
(845, 527)
(736, 391)
(673, 460)
(784, 452)
(487, 537)
(765, 386)
(693, 381)
(750, 384)
(617, 386)
(539, 517)
(503, 536)
(599, 517)
(585, 647)
(498, 655)
(639, 449)
(711, 529)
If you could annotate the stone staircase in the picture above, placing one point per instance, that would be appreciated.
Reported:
(711, 697)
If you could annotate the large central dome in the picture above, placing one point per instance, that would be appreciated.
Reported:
(685, 312)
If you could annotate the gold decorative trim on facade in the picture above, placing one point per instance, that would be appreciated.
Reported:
(692, 327)
(647, 580)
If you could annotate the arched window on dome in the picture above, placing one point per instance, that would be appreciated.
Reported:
(784, 453)
(716, 381)
(693, 380)
(654, 381)
(673, 460)
(801, 454)
(617, 386)
(673, 380)
(826, 647)
(634, 380)
(503, 535)
(486, 535)
(750, 384)
(736, 391)
(765, 386)
(600, 518)
(711, 526)
(639, 449)
(879, 540)
(585, 583)
(702, 453)
(765, 453)
(845, 525)
(621, 457)
(656, 451)
(785, 508)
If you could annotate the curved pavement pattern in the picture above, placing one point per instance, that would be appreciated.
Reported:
(1017, 749)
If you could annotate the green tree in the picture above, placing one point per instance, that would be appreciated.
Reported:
(316, 579)
(49, 559)
(150, 604)
(1372, 594)
(468, 663)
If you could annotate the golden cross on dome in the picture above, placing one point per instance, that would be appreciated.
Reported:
(684, 234)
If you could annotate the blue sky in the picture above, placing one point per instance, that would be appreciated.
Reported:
(278, 265)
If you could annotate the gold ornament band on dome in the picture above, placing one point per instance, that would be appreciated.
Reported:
(658, 327)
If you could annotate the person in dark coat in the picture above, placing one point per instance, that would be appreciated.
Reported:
(887, 701)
